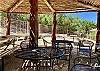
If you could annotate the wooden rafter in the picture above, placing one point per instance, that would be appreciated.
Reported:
(75, 11)
(88, 5)
(48, 4)
(15, 5)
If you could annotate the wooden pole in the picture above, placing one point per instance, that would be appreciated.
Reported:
(8, 24)
(54, 30)
(33, 19)
(2, 64)
(98, 30)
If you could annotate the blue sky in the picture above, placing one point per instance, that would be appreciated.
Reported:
(92, 16)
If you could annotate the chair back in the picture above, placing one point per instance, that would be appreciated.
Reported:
(63, 43)
(85, 46)
(82, 67)
(24, 45)
(64, 46)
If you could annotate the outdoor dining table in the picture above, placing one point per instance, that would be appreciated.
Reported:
(45, 53)
(38, 53)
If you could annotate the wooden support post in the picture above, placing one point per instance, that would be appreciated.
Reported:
(2, 64)
(8, 24)
(98, 31)
(33, 19)
(54, 30)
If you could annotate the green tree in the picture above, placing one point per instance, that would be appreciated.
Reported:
(3, 14)
(23, 17)
(67, 23)
(45, 20)
(86, 26)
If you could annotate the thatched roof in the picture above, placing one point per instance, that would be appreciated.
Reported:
(49, 5)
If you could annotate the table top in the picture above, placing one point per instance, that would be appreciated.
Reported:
(39, 53)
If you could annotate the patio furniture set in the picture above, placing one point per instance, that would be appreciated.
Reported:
(48, 57)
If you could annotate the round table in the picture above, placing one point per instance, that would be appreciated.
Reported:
(39, 53)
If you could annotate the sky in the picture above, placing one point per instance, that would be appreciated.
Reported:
(91, 16)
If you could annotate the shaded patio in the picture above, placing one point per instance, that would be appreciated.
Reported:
(10, 52)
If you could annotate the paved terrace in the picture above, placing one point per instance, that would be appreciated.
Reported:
(13, 64)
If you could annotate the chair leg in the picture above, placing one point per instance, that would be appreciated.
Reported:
(24, 64)
(69, 62)
(90, 57)
(52, 63)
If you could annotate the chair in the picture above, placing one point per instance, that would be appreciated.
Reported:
(46, 60)
(24, 45)
(85, 48)
(46, 43)
(66, 47)
(81, 63)
(9, 42)
(82, 67)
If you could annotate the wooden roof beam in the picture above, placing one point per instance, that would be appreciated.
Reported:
(76, 11)
(48, 4)
(88, 5)
(15, 5)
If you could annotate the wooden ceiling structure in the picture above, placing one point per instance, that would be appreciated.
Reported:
(35, 7)
(45, 6)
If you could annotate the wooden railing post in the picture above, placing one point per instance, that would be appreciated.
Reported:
(54, 30)
(8, 24)
(98, 30)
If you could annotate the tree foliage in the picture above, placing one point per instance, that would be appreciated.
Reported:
(23, 17)
(3, 14)
(67, 23)
(45, 20)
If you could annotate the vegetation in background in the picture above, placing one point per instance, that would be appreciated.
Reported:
(68, 23)
(23, 17)
(3, 14)
(92, 35)
(18, 22)
(45, 20)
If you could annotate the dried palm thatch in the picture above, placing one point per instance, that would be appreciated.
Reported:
(23, 6)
